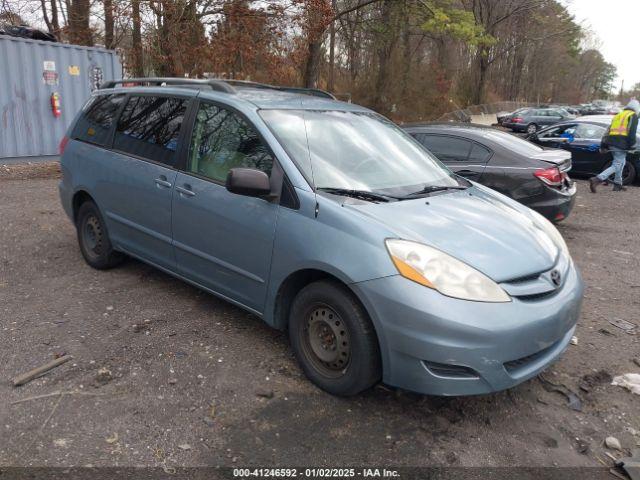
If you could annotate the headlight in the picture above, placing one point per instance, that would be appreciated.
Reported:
(435, 269)
(552, 232)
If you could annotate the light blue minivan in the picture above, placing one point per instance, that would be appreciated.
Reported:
(327, 220)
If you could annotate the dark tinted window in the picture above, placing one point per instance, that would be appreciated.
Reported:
(447, 148)
(95, 122)
(222, 140)
(149, 127)
(479, 153)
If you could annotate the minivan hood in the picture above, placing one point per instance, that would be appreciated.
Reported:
(475, 226)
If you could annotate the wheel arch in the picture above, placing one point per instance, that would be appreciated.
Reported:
(296, 281)
(79, 197)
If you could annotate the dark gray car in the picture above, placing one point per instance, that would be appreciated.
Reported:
(530, 120)
(499, 160)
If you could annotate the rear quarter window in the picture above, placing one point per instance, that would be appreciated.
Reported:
(479, 153)
(94, 124)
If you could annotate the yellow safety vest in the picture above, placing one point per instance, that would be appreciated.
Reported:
(620, 123)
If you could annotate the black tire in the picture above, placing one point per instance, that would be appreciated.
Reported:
(531, 129)
(93, 238)
(330, 314)
(629, 173)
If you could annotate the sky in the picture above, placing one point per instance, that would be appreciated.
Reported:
(619, 39)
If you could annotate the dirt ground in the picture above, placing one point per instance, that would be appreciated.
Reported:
(195, 381)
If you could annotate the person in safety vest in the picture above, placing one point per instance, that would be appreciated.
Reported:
(619, 140)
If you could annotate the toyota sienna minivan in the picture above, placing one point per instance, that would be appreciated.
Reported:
(327, 220)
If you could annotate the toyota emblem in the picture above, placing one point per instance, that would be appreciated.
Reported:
(556, 278)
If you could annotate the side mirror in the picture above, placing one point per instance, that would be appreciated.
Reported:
(249, 182)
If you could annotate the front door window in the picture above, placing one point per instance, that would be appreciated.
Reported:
(223, 140)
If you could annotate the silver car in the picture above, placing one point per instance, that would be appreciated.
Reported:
(530, 120)
(326, 220)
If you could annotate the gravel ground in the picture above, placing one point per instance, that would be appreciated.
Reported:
(195, 381)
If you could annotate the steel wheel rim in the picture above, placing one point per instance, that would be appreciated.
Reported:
(92, 236)
(325, 341)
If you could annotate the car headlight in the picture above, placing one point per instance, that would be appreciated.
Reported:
(435, 269)
(552, 232)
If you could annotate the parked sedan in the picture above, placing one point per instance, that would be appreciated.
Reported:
(501, 117)
(513, 166)
(531, 120)
(581, 137)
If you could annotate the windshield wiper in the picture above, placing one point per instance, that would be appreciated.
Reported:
(362, 194)
(435, 188)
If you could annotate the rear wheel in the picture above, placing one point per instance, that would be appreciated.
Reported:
(334, 340)
(94, 240)
(532, 128)
(628, 173)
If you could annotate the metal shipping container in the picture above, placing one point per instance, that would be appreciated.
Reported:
(31, 71)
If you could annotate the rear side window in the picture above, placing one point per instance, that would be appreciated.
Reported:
(447, 148)
(94, 124)
(149, 127)
(223, 140)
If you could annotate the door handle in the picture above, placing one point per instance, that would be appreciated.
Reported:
(186, 190)
(467, 173)
(162, 181)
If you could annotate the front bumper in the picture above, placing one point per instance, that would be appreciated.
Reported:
(438, 345)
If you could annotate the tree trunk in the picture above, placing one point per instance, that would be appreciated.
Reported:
(406, 52)
(45, 15)
(332, 50)
(483, 67)
(384, 51)
(312, 67)
(136, 41)
(108, 24)
(55, 23)
(79, 31)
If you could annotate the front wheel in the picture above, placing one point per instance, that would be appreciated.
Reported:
(94, 240)
(334, 340)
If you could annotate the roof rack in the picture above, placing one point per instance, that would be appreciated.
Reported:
(218, 84)
(316, 92)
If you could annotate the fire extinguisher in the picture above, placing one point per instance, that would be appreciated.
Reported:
(55, 104)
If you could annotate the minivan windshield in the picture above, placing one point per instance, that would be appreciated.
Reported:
(360, 151)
